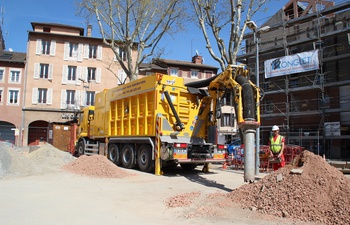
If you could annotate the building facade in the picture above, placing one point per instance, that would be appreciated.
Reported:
(311, 106)
(12, 67)
(64, 70)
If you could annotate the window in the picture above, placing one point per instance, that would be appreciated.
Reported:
(2, 75)
(15, 76)
(72, 72)
(194, 73)
(268, 107)
(44, 71)
(45, 47)
(42, 95)
(90, 98)
(1, 95)
(73, 50)
(122, 54)
(47, 29)
(174, 72)
(13, 97)
(91, 76)
(227, 99)
(92, 51)
(70, 97)
(227, 120)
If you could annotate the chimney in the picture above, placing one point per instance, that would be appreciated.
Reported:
(197, 59)
(89, 30)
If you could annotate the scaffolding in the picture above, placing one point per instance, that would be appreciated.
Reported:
(302, 103)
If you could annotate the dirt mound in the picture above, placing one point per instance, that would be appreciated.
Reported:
(95, 166)
(315, 192)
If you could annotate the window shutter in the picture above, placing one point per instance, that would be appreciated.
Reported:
(64, 74)
(78, 77)
(83, 98)
(49, 96)
(35, 96)
(115, 54)
(98, 75)
(77, 100)
(38, 46)
(50, 71)
(66, 51)
(86, 51)
(80, 52)
(121, 76)
(84, 72)
(63, 99)
(99, 52)
(53, 48)
(36, 70)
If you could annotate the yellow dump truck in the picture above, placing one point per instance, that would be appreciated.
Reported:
(153, 122)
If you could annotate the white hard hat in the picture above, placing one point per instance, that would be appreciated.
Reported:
(275, 128)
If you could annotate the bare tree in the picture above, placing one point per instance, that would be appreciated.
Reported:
(224, 22)
(129, 25)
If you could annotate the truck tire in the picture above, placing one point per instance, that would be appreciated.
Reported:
(81, 147)
(188, 166)
(114, 154)
(128, 157)
(144, 158)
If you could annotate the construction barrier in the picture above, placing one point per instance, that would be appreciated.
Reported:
(236, 159)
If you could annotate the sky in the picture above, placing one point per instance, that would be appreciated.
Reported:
(17, 15)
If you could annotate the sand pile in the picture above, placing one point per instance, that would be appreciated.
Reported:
(14, 162)
(315, 192)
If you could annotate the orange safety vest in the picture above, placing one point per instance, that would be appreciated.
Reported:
(276, 146)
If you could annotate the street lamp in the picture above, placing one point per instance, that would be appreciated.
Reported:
(253, 27)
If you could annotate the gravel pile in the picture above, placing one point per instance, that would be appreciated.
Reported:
(315, 192)
(21, 162)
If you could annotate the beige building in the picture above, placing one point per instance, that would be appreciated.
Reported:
(12, 66)
(64, 70)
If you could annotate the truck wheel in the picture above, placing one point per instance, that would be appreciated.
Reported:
(128, 157)
(144, 158)
(188, 166)
(114, 154)
(81, 147)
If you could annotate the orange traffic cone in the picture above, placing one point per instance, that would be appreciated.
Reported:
(224, 166)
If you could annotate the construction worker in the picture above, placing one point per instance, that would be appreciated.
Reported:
(276, 143)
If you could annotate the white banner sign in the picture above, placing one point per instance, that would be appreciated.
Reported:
(298, 63)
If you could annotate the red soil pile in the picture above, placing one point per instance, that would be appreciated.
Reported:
(317, 192)
(96, 166)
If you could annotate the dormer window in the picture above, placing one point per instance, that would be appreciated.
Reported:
(47, 29)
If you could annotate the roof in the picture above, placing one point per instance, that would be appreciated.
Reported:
(151, 66)
(7, 56)
(57, 25)
(170, 62)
